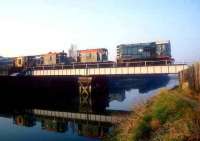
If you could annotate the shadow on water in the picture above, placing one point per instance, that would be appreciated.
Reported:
(74, 106)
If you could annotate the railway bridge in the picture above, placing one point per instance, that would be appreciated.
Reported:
(105, 71)
(86, 74)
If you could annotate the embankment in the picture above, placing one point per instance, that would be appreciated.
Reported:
(170, 115)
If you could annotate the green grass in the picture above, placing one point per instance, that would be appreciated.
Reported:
(172, 115)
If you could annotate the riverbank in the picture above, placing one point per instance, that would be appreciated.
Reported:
(170, 115)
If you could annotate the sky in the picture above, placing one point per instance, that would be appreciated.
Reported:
(29, 27)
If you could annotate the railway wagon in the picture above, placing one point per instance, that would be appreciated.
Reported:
(55, 58)
(25, 61)
(41, 60)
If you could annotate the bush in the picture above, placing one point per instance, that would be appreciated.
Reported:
(142, 131)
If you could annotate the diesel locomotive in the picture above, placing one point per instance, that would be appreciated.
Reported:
(153, 52)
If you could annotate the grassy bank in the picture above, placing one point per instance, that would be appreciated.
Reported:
(172, 115)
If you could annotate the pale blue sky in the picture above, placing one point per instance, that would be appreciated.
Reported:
(38, 26)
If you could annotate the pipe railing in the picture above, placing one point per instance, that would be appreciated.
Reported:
(104, 65)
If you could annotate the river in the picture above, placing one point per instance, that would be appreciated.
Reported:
(113, 96)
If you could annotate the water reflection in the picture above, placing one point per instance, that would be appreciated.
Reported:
(79, 108)
(142, 83)
(125, 93)
(64, 125)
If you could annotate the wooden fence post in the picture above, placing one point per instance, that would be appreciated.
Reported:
(191, 76)
(198, 77)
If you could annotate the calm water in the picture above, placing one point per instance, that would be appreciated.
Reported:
(108, 96)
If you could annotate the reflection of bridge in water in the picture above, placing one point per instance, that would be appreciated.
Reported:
(80, 116)
(55, 121)
(83, 124)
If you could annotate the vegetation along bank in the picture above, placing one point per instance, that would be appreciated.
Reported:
(172, 115)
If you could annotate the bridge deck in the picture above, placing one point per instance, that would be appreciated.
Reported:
(167, 69)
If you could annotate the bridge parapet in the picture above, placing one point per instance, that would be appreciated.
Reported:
(163, 69)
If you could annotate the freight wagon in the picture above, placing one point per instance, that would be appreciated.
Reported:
(41, 60)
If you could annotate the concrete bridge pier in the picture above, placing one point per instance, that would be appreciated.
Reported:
(85, 89)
